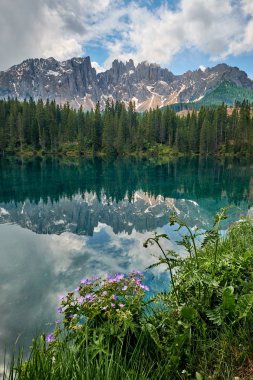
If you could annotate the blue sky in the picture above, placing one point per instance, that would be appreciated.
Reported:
(178, 34)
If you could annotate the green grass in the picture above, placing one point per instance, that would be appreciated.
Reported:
(201, 329)
(71, 361)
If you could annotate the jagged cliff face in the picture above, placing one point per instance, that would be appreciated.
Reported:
(71, 80)
(148, 85)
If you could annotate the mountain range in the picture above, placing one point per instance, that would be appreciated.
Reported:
(147, 84)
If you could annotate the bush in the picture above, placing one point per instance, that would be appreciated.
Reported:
(111, 306)
(205, 321)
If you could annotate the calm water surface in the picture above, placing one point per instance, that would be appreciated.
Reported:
(62, 220)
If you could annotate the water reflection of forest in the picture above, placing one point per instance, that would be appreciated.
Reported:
(184, 178)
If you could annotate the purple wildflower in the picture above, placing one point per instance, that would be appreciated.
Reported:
(124, 287)
(80, 300)
(145, 287)
(119, 277)
(121, 305)
(110, 279)
(136, 281)
(50, 338)
(85, 281)
(114, 297)
(59, 310)
(104, 293)
(90, 297)
(112, 304)
(77, 289)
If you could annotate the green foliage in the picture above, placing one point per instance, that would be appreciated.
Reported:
(111, 306)
(211, 301)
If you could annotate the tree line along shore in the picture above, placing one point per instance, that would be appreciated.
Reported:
(30, 127)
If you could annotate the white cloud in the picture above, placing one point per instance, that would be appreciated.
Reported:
(159, 35)
(64, 29)
(97, 67)
(52, 28)
(247, 6)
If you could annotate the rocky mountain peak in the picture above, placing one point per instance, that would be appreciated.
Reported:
(147, 84)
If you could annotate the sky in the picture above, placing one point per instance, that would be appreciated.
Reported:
(178, 34)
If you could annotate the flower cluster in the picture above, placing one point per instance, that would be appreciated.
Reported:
(117, 298)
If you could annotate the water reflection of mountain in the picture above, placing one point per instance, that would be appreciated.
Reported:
(52, 196)
(82, 214)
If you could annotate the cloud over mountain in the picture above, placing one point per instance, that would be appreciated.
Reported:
(124, 29)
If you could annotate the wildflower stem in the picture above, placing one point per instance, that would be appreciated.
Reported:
(169, 266)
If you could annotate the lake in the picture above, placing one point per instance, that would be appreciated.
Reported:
(63, 219)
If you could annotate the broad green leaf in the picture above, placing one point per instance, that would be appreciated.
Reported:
(199, 376)
(189, 313)
(153, 333)
(244, 305)
(228, 299)
(215, 316)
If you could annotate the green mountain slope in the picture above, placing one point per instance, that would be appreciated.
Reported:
(226, 92)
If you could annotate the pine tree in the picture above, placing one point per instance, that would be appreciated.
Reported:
(97, 129)
(108, 129)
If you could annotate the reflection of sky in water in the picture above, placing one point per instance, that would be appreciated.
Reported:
(37, 269)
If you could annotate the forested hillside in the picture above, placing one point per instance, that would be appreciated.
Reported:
(49, 128)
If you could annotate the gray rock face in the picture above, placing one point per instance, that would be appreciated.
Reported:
(148, 85)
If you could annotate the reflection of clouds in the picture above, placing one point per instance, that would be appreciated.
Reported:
(62, 248)
(25, 278)
(36, 269)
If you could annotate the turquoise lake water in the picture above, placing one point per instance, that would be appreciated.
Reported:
(62, 220)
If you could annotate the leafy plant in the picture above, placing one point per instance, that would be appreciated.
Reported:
(212, 289)
(100, 307)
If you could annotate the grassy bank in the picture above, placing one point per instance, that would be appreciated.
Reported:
(73, 150)
(201, 329)
(161, 151)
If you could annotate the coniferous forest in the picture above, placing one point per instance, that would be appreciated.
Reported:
(31, 126)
